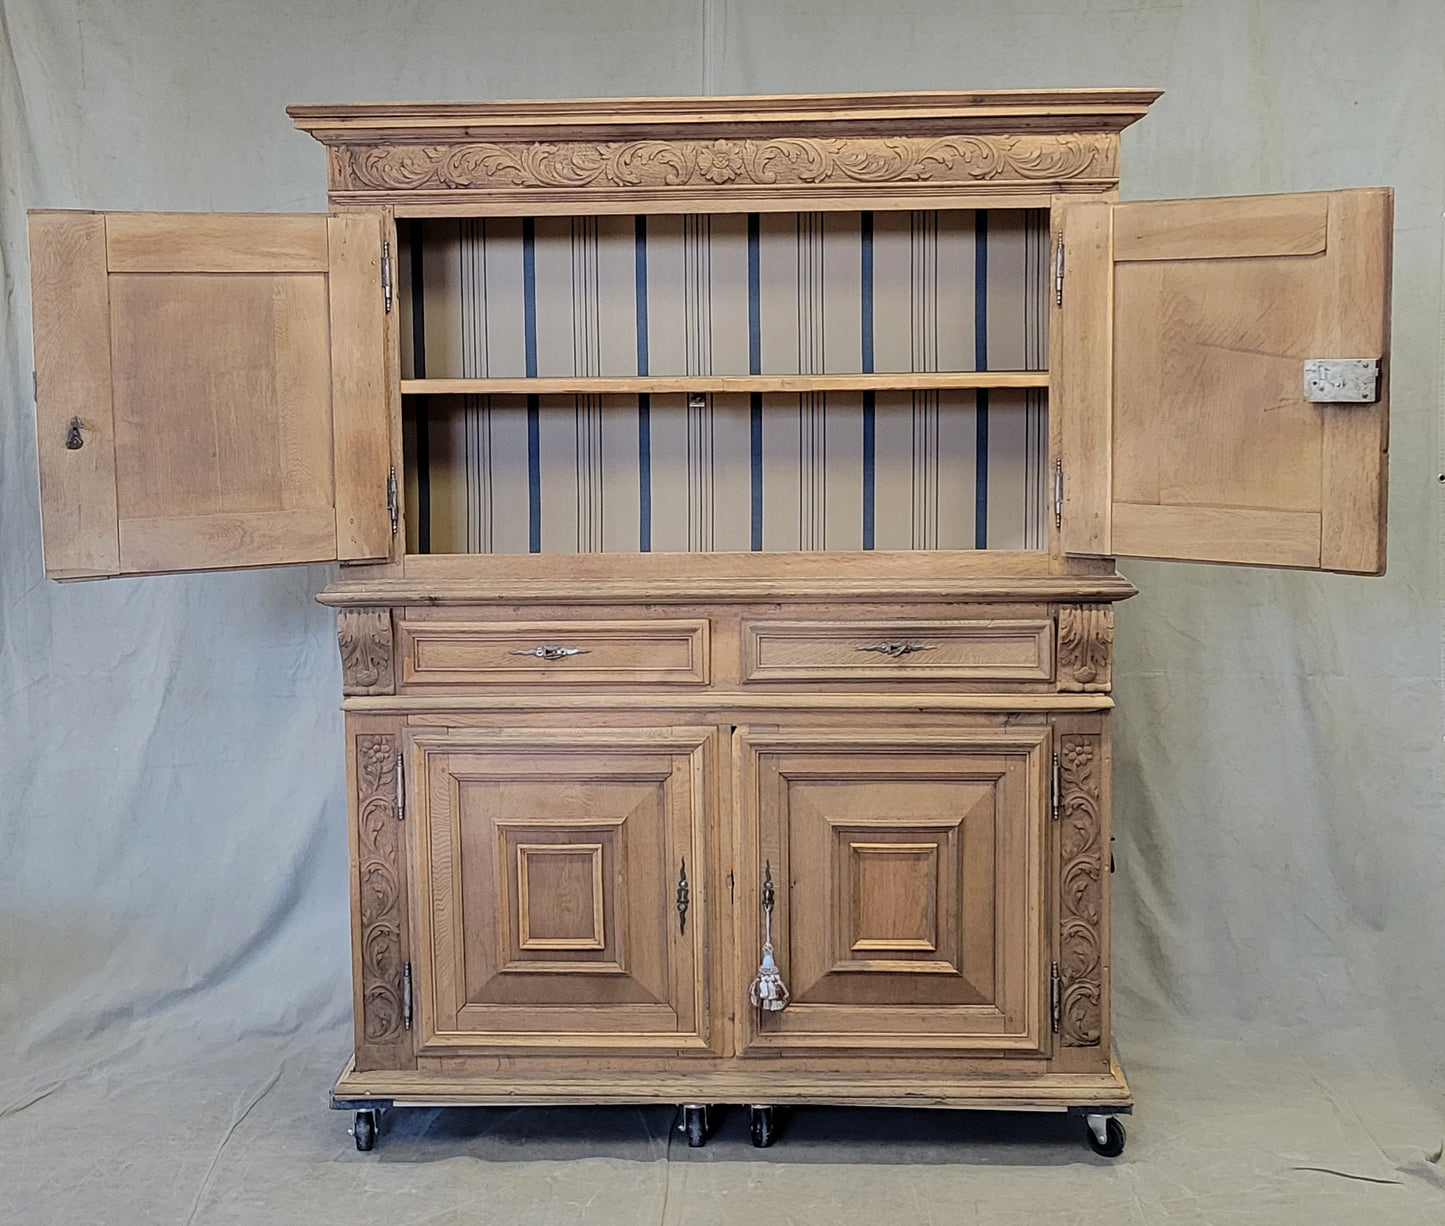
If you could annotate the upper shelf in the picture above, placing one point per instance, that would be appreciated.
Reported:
(601, 385)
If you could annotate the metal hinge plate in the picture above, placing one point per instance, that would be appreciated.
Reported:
(1058, 493)
(1053, 996)
(1059, 271)
(400, 788)
(1054, 790)
(386, 290)
(1342, 380)
(393, 508)
(406, 997)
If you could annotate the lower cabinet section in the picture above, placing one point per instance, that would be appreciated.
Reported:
(907, 873)
(561, 885)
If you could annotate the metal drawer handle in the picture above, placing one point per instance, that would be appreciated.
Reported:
(896, 650)
(551, 652)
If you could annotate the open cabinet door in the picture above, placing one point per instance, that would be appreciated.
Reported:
(210, 390)
(1196, 423)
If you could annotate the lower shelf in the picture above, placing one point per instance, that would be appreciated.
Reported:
(1043, 1091)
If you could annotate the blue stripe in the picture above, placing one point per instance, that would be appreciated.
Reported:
(644, 472)
(534, 475)
(869, 466)
(980, 361)
(867, 244)
(529, 294)
(755, 301)
(640, 263)
(756, 429)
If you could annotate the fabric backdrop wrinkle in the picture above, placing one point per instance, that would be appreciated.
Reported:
(173, 829)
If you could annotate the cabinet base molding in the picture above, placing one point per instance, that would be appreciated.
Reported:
(1012, 1091)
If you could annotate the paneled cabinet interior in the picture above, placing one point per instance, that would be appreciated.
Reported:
(727, 492)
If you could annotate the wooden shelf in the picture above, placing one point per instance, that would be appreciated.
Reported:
(609, 385)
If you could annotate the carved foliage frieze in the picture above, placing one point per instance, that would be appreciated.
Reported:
(1081, 861)
(379, 865)
(364, 636)
(788, 161)
(1086, 647)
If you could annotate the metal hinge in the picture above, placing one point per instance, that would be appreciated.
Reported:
(35, 384)
(392, 507)
(401, 788)
(406, 997)
(1059, 271)
(1053, 996)
(386, 294)
(1054, 793)
(730, 884)
(1058, 493)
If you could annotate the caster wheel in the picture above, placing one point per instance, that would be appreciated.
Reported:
(364, 1130)
(1106, 1135)
(694, 1123)
(763, 1127)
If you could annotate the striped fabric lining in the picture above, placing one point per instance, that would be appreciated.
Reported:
(727, 294)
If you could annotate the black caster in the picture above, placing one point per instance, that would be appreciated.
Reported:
(364, 1130)
(694, 1123)
(1105, 1134)
(764, 1127)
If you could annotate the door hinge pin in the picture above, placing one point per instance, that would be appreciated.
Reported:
(1053, 996)
(1054, 791)
(386, 292)
(406, 996)
(400, 788)
(393, 508)
(1058, 493)
(1059, 271)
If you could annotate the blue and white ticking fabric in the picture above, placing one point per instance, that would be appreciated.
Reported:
(809, 293)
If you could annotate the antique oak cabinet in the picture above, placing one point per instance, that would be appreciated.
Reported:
(727, 493)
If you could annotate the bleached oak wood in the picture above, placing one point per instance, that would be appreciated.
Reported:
(71, 317)
(215, 242)
(602, 385)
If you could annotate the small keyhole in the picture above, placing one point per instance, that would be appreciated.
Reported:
(73, 441)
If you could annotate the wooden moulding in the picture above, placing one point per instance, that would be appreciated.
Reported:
(724, 153)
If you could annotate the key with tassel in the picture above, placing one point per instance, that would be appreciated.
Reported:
(768, 992)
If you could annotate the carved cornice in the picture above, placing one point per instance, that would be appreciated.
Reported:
(1086, 647)
(364, 636)
(1081, 870)
(380, 897)
(862, 161)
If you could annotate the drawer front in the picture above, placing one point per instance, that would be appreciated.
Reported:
(660, 652)
(972, 650)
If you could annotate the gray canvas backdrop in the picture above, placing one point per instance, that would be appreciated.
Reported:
(172, 818)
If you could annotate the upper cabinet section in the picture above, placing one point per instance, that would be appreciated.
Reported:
(725, 154)
(1220, 379)
(211, 390)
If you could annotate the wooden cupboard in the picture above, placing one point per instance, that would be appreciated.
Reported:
(727, 492)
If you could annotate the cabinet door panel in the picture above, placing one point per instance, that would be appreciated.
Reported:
(1182, 338)
(908, 872)
(210, 390)
(548, 867)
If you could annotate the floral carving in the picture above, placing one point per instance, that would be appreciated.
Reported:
(1086, 646)
(364, 636)
(1026, 157)
(1080, 892)
(380, 889)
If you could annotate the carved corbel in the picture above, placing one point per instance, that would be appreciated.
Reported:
(1086, 648)
(364, 636)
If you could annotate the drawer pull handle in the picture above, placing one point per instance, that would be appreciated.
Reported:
(896, 651)
(551, 652)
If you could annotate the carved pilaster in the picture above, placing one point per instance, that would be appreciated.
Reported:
(380, 888)
(364, 636)
(1086, 647)
(1029, 157)
(1081, 860)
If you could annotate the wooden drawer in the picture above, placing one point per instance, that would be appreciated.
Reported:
(659, 652)
(972, 650)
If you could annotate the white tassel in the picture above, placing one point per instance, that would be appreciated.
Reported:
(768, 991)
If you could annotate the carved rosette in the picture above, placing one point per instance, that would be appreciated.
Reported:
(380, 888)
(805, 161)
(1081, 860)
(1086, 647)
(364, 636)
